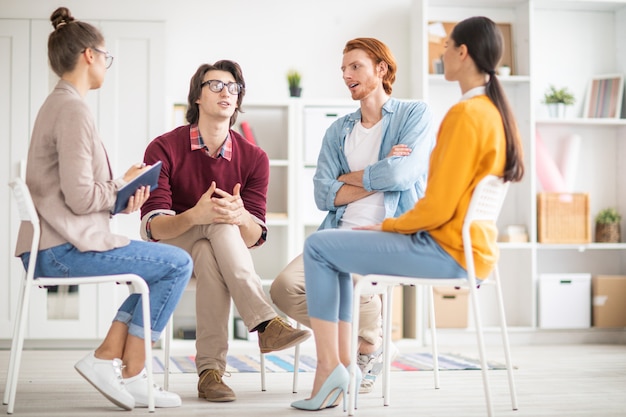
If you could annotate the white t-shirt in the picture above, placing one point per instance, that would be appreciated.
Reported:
(362, 148)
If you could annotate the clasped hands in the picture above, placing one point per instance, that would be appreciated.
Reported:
(223, 208)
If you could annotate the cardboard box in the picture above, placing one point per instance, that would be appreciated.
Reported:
(564, 301)
(609, 300)
(451, 306)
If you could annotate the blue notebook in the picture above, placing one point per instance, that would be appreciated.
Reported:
(148, 177)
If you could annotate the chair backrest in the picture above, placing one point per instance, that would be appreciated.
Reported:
(487, 199)
(28, 213)
(485, 205)
(25, 204)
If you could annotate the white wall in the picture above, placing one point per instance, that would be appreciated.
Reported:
(267, 37)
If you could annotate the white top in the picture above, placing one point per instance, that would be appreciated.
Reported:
(362, 148)
(476, 91)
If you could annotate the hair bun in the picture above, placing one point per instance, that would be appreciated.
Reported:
(60, 17)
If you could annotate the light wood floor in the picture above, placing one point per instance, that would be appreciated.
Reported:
(563, 381)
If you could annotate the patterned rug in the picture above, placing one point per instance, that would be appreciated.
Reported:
(283, 362)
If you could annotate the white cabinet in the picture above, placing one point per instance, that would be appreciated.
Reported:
(14, 47)
(129, 111)
(315, 117)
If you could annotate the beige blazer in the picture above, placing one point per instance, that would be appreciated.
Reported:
(69, 177)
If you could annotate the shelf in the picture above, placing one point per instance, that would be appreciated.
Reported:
(582, 247)
(592, 5)
(279, 162)
(511, 79)
(582, 122)
(515, 245)
(277, 219)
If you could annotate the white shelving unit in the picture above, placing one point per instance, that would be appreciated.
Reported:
(563, 43)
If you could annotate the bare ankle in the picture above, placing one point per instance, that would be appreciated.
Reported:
(129, 371)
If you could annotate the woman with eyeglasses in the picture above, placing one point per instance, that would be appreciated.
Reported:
(71, 183)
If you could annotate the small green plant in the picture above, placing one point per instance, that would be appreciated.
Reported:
(293, 78)
(608, 216)
(562, 95)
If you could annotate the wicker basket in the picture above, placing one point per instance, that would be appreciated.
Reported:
(563, 218)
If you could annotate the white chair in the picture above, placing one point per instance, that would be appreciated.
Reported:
(485, 205)
(28, 213)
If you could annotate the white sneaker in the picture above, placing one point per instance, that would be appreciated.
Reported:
(137, 386)
(106, 376)
(371, 365)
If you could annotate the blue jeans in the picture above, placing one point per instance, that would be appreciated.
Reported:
(165, 268)
(331, 255)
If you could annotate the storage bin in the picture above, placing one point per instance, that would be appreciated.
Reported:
(609, 300)
(564, 301)
(563, 218)
(451, 306)
(316, 121)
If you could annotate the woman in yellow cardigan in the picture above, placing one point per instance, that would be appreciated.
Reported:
(478, 137)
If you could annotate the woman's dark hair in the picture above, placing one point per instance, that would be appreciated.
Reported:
(195, 88)
(484, 44)
(379, 52)
(69, 39)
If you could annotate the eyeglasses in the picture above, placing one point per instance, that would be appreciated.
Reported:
(108, 58)
(216, 86)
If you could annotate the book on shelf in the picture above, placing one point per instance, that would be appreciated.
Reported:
(246, 132)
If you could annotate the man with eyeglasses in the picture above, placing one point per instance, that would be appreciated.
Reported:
(211, 201)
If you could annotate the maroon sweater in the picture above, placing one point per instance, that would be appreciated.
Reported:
(187, 174)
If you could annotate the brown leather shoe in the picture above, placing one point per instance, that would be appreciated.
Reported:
(212, 388)
(279, 335)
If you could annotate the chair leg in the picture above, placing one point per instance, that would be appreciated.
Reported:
(263, 372)
(296, 363)
(481, 348)
(433, 334)
(16, 347)
(147, 334)
(387, 311)
(16, 323)
(352, 388)
(166, 354)
(505, 340)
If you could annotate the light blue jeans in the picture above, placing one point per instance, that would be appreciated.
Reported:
(331, 255)
(165, 268)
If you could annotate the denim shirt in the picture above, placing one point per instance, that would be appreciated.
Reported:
(401, 178)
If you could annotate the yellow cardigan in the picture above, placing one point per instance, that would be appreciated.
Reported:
(470, 145)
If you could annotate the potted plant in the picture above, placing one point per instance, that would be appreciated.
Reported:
(557, 99)
(608, 226)
(293, 79)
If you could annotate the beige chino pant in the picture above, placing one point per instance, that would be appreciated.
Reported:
(288, 292)
(223, 269)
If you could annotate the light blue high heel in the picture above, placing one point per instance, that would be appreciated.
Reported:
(335, 384)
(359, 377)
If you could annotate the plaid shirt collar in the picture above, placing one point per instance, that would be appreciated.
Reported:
(197, 143)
